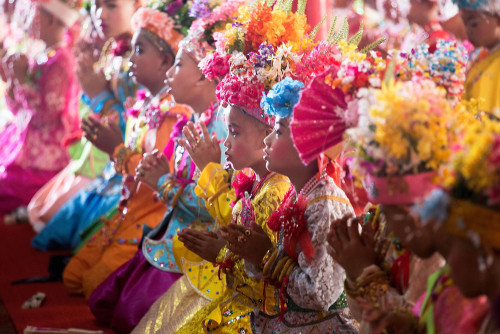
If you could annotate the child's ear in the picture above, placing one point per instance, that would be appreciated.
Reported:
(168, 61)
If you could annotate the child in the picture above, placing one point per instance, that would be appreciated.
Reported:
(43, 96)
(309, 279)
(124, 297)
(112, 79)
(148, 128)
(482, 22)
(423, 15)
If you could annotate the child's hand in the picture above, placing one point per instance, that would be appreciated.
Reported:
(206, 244)
(92, 83)
(202, 150)
(352, 251)
(104, 137)
(249, 243)
(152, 166)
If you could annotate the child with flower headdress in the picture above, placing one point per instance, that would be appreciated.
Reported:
(463, 214)
(149, 127)
(106, 84)
(388, 276)
(42, 93)
(262, 56)
(482, 22)
(125, 296)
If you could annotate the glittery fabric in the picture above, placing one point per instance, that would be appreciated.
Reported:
(230, 313)
(116, 242)
(172, 310)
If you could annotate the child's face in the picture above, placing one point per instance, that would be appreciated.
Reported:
(280, 153)
(184, 78)
(245, 139)
(42, 24)
(416, 237)
(114, 16)
(148, 62)
(483, 29)
(419, 11)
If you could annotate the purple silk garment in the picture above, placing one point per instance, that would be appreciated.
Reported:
(127, 294)
(18, 185)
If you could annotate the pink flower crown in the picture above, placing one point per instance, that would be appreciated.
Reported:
(161, 25)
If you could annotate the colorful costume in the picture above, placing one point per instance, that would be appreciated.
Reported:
(126, 295)
(46, 111)
(404, 275)
(232, 310)
(63, 231)
(115, 243)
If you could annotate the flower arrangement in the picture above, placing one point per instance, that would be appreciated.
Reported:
(178, 10)
(475, 171)
(445, 66)
(282, 98)
(275, 25)
(468, 205)
(213, 16)
(404, 130)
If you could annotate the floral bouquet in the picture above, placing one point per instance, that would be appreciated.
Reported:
(403, 135)
(469, 203)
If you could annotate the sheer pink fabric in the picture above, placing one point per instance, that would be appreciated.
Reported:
(45, 111)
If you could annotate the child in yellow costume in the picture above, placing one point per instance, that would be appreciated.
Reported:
(149, 128)
(482, 21)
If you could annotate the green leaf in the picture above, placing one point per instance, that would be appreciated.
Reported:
(301, 7)
(357, 37)
(331, 31)
(314, 32)
(373, 45)
(343, 32)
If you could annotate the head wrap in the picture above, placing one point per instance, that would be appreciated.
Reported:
(163, 22)
(65, 11)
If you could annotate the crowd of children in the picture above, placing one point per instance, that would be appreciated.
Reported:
(226, 166)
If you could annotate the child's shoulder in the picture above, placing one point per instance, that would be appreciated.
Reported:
(328, 193)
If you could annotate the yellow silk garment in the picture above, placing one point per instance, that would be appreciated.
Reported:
(200, 283)
(483, 81)
(231, 312)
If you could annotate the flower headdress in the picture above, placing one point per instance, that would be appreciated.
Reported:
(164, 23)
(258, 50)
(65, 11)
(446, 66)
(469, 205)
(489, 6)
(328, 106)
(212, 17)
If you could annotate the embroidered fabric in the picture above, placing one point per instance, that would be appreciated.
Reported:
(50, 106)
(319, 283)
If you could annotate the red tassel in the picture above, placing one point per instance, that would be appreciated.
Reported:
(227, 264)
(306, 245)
(400, 272)
(282, 297)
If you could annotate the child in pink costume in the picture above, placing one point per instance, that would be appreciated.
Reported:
(43, 96)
